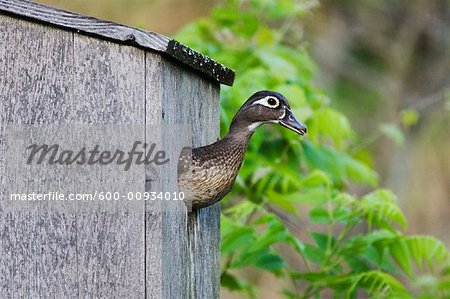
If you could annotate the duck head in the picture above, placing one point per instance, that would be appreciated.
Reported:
(266, 107)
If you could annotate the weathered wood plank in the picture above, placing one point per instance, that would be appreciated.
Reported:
(120, 33)
(204, 224)
(153, 217)
(157, 251)
(204, 235)
(109, 89)
(38, 252)
(176, 107)
(64, 253)
(190, 266)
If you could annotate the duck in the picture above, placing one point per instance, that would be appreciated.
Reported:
(207, 173)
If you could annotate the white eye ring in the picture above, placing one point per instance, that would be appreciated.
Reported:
(265, 102)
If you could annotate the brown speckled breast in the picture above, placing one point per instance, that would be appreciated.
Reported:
(206, 174)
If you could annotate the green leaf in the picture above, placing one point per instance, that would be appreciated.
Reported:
(248, 258)
(311, 276)
(421, 250)
(400, 253)
(279, 66)
(376, 283)
(271, 262)
(381, 235)
(380, 208)
(327, 122)
(342, 214)
(359, 172)
(355, 246)
(265, 36)
(239, 238)
(231, 282)
(313, 196)
(409, 117)
(276, 232)
(320, 215)
(296, 244)
(314, 254)
(284, 201)
(339, 166)
(374, 255)
(393, 132)
(288, 294)
(322, 240)
(241, 211)
(235, 284)
(316, 178)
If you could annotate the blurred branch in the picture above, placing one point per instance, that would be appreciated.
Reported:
(418, 106)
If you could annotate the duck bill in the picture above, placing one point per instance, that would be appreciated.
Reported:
(292, 124)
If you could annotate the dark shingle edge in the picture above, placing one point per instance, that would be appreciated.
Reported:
(120, 33)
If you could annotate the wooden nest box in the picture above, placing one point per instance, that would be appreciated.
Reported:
(58, 67)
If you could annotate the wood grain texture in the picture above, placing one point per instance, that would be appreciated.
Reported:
(109, 90)
(48, 75)
(122, 34)
(192, 101)
(204, 224)
(38, 249)
(61, 78)
(176, 87)
(153, 216)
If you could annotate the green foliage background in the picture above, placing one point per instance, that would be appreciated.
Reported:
(356, 241)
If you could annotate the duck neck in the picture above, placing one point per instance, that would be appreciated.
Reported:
(240, 133)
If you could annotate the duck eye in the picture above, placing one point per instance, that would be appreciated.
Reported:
(269, 101)
(272, 102)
